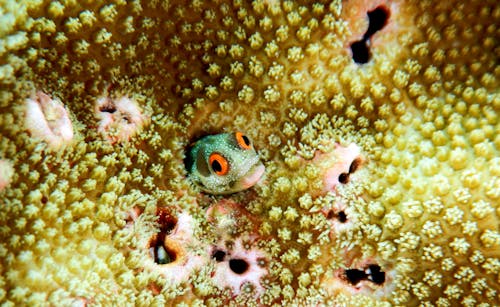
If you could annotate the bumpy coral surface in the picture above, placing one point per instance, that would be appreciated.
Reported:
(377, 121)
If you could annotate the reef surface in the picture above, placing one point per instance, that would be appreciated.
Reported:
(377, 122)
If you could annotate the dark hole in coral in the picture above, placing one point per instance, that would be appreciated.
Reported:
(360, 52)
(239, 266)
(160, 252)
(216, 166)
(376, 275)
(344, 178)
(373, 274)
(219, 255)
(188, 159)
(342, 217)
(166, 220)
(354, 165)
(355, 276)
(377, 20)
(44, 199)
(108, 109)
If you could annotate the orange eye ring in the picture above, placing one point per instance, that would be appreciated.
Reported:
(218, 164)
(243, 140)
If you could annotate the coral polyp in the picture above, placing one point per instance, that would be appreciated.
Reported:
(375, 179)
(240, 268)
(119, 119)
(47, 119)
(6, 172)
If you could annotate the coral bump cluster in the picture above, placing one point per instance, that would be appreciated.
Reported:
(376, 121)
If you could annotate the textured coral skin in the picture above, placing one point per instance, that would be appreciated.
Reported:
(77, 221)
(119, 119)
(48, 120)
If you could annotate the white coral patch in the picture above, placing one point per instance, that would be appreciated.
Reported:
(6, 172)
(47, 119)
(337, 225)
(342, 158)
(226, 277)
(119, 119)
(181, 240)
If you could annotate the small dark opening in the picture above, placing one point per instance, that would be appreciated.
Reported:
(239, 266)
(377, 20)
(219, 255)
(360, 52)
(344, 178)
(108, 109)
(376, 275)
(355, 276)
(342, 217)
(188, 160)
(44, 199)
(354, 165)
(330, 214)
(161, 254)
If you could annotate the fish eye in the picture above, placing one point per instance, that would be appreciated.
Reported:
(219, 164)
(243, 140)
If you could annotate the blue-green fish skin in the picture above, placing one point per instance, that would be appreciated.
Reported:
(244, 165)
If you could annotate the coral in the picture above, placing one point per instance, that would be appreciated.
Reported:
(376, 121)
(48, 120)
(175, 242)
(6, 173)
(119, 119)
(239, 267)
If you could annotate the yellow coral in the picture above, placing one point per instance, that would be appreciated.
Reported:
(414, 221)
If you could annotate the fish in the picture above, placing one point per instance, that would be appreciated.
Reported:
(224, 163)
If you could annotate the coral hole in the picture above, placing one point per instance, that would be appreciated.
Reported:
(360, 52)
(108, 108)
(188, 160)
(342, 217)
(238, 266)
(376, 275)
(377, 19)
(356, 163)
(219, 255)
(372, 273)
(354, 276)
(160, 251)
(344, 178)
(158, 245)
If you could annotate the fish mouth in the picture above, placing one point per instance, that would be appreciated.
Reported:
(253, 176)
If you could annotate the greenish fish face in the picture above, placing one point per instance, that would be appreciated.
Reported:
(224, 163)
